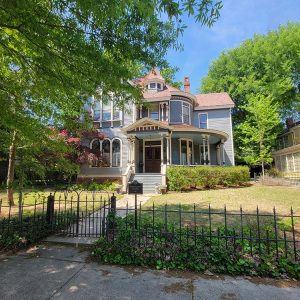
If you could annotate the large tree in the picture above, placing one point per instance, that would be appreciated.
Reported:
(267, 65)
(54, 53)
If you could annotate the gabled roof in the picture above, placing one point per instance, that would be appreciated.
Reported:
(166, 92)
(153, 75)
(146, 122)
(213, 100)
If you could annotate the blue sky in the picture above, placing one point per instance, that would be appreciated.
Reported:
(239, 20)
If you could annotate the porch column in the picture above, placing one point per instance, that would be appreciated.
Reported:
(218, 148)
(133, 153)
(129, 151)
(208, 151)
(222, 153)
(204, 152)
(168, 149)
(162, 150)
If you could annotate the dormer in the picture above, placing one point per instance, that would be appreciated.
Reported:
(153, 81)
(154, 86)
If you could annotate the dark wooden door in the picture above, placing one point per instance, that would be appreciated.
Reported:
(152, 159)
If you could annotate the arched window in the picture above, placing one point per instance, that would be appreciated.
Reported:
(106, 153)
(116, 153)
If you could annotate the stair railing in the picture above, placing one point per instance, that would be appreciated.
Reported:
(126, 176)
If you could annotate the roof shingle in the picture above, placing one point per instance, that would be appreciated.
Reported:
(213, 99)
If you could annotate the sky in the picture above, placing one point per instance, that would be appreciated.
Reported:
(239, 20)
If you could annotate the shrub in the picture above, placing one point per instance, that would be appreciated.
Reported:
(176, 247)
(185, 177)
(16, 234)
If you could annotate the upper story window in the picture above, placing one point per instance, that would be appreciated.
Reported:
(152, 86)
(180, 112)
(186, 113)
(107, 113)
(154, 111)
(203, 120)
(155, 86)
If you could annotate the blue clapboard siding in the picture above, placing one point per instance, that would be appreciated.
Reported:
(219, 119)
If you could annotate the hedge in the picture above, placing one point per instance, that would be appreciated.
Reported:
(186, 177)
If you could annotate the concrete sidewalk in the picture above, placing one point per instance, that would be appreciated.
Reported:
(52, 271)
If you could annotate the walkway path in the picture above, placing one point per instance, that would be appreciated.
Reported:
(63, 272)
(90, 227)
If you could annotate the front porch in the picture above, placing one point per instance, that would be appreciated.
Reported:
(154, 145)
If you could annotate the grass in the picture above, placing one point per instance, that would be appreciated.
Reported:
(265, 197)
(88, 200)
(249, 198)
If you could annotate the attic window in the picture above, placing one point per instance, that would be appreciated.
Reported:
(152, 86)
(159, 86)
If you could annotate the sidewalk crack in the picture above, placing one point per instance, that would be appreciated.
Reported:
(66, 283)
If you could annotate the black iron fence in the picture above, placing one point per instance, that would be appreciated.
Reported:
(95, 214)
(68, 213)
(257, 233)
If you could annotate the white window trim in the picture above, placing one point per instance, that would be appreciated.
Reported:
(120, 151)
(110, 151)
(156, 86)
(193, 156)
(190, 110)
(203, 113)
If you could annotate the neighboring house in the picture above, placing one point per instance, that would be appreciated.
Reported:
(174, 127)
(287, 154)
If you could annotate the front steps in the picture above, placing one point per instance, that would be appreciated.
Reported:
(150, 181)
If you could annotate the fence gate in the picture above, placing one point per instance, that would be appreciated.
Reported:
(79, 213)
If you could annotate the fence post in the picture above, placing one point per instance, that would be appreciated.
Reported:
(77, 214)
(113, 203)
(50, 209)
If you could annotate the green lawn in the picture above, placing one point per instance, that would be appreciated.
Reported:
(265, 197)
(193, 207)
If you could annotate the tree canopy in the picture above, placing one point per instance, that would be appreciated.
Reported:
(267, 65)
(54, 54)
(259, 130)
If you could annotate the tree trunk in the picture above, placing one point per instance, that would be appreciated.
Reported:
(11, 169)
(263, 168)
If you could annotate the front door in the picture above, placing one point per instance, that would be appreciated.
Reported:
(152, 156)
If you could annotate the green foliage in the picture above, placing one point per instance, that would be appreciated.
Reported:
(180, 178)
(266, 65)
(106, 186)
(54, 55)
(259, 130)
(169, 75)
(274, 172)
(16, 234)
(161, 247)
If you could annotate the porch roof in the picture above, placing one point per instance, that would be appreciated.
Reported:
(147, 126)
(181, 128)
